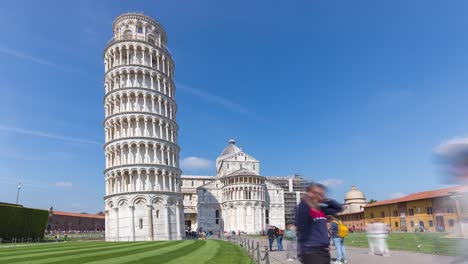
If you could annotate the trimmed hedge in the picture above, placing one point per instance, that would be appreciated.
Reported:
(20, 222)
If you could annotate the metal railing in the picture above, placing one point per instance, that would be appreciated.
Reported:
(256, 253)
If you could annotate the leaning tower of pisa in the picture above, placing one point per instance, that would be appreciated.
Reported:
(142, 176)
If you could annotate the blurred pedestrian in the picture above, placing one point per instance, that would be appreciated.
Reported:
(271, 233)
(279, 238)
(290, 236)
(338, 233)
(311, 223)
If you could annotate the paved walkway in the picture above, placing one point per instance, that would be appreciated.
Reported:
(361, 256)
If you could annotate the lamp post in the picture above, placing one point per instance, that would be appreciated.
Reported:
(17, 192)
(456, 196)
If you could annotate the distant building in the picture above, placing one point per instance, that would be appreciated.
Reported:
(353, 213)
(430, 211)
(293, 186)
(238, 198)
(66, 221)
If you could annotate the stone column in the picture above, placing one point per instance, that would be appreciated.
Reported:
(168, 218)
(132, 223)
(116, 212)
(178, 221)
(107, 227)
(245, 219)
(150, 222)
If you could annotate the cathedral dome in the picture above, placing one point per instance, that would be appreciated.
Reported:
(230, 149)
(354, 194)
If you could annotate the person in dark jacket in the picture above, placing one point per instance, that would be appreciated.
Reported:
(311, 223)
(271, 233)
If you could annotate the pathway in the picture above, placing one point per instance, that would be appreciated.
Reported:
(361, 256)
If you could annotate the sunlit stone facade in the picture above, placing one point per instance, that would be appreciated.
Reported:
(238, 198)
(143, 199)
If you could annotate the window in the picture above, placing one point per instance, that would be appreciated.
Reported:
(371, 215)
(140, 29)
(192, 183)
(127, 34)
(396, 224)
(411, 212)
(450, 209)
(245, 157)
(190, 197)
(254, 166)
(412, 223)
(431, 224)
(451, 222)
(267, 217)
(382, 214)
(157, 213)
(217, 216)
(227, 166)
(395, 213)
(429, 210)
(140, 223)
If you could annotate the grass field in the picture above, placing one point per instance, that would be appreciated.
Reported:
(433, 243)
(189, 251)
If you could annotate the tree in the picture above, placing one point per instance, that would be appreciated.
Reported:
(372, 201)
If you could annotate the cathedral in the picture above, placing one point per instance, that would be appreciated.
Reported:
(238, 198)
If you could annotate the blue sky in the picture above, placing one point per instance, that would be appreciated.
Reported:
(343, 92)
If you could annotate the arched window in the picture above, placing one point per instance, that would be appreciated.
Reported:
(127, 34)
(140, 223)
(157, 213)
(139, 28)
(217, 216)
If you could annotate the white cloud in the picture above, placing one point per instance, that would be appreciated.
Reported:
(196, 163)
(397, 195)
(452, 146)
(23, 56)
(47, 135)
(226, 103)
(20, 55)
(331, 183)
(64, 184)
(452, 156)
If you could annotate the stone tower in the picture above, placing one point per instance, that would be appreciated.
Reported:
(143, 199)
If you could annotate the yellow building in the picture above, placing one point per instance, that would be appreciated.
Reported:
(428, 211)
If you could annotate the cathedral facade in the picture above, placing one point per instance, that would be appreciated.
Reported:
(238, 198)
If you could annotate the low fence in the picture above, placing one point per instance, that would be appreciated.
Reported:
(257, 253)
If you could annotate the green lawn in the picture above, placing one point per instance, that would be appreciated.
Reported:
(433, 243)
(192, 251)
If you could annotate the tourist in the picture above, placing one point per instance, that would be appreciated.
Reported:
(377, 237)
(271, 233)
(311, 223)
(279, 238)
(338, 233)
(290, 235)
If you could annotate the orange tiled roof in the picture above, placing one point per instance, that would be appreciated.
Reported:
(78, 215)
(422, 195)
